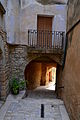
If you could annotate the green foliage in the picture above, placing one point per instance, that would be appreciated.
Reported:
(15, 85)
(22, 84)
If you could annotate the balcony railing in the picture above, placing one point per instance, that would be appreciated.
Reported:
(46, 39)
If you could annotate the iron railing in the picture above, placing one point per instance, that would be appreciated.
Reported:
(46, 39)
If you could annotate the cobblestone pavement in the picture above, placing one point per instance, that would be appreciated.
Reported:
(30, 108)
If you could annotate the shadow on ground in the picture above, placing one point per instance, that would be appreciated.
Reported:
(41, 93)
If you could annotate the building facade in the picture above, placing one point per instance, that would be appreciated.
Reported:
(35, 35)
(33, 44)
(71, 76)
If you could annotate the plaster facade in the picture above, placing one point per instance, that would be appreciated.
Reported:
(30, 11)
(22, 15)
(71, 74)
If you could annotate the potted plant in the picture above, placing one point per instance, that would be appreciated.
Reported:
(22, 85)
(14, 86)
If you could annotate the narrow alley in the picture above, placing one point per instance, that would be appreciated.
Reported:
(40, 104)
(39, 59)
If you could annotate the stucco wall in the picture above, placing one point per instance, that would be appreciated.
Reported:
(71, 72)
(12, 23)
(73, 13)
(29, 12)
(71, 75)
(22, 15)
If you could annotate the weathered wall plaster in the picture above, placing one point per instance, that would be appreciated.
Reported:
(71, 72)
(22, 15)
(73, 13)
(12, 21)
(28, 17)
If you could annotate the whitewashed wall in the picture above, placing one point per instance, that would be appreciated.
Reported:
(22, 15)
(28, 17)
(12, 21)
(11, 17)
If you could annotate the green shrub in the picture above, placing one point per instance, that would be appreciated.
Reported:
(16, 85)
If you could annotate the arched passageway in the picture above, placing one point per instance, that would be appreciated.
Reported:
(41, 72)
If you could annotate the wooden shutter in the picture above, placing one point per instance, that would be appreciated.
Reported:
(45, 24)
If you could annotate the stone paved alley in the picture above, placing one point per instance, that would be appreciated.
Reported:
(16, 108)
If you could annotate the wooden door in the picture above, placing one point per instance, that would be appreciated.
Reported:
(44, 27)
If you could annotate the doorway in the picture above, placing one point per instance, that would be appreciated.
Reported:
(44, 27)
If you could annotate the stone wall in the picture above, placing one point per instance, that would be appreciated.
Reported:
(71, 72)
(4, 66)
(20, 65)
(18, 60)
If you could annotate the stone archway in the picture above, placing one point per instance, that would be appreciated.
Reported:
(37, 71)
